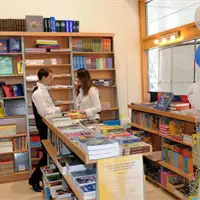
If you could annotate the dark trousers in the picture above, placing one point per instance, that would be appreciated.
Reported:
(37, 174)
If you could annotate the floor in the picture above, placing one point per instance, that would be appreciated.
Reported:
(22, 191)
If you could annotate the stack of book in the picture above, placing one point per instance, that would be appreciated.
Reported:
(12, 25)
(11, 90)
(10, 45)
(60, 86)
(103, 82)
(105, 105)
(48, 61)
(6, 146)
(85, 181)
(98, 148)
(177, 106)
(91, 45)
(6, 65)
(20, 144)
(53, 179)
(35, 141)
(92, 62)
(7, 130)
(6, 164)
(135, 148)
(164, 129)
(35, 50)
(47, 44)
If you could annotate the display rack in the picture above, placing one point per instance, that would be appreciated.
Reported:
(158, 140)
(28, 40)
(75, 148)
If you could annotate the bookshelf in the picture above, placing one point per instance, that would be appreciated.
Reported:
(52, 150)
(28, 40)
(20, 139)
(144, 118)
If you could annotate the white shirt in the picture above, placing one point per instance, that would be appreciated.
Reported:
(43, 102)
(90, 104)
(194, 95)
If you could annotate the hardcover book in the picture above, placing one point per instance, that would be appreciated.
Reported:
(164, 101)
(14, 45)
(2, 112)
(3, 46)
(8, 90)
(6, 66)
(21, 161)
(18, 90)
(34, 23)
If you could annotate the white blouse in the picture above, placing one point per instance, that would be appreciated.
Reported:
(90, 104)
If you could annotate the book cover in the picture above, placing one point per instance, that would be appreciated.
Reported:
(62, 26)
(34, 23)
(58, 28)
(6, 65)
(86, 180)
(82, 173)
(18, 90)
(164, 102)
(88, 188)
(45, 24)
(3, 46)
(8, 90)
(21, 161)
(14, 45)
(2, 112)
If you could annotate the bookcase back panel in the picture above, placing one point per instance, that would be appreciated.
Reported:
(102, 75)
(30, 42)
(56, 70)
(12, 80)
(108, 115)
(62, 95)
(189, 128)
(156, 142)
(61, 58)
(104, 97)
(20, 123)
(62, 81)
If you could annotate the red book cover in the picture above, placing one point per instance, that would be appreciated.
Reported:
(8, 90)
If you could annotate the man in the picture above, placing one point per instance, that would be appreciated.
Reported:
(42, 105)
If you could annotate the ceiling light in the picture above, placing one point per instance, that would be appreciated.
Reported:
(156, 42)
(172, 38)
(164, 40)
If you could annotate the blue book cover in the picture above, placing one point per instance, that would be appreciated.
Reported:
(18, 90)
(175, 159)
(185, 164)
(66, 26)
(169, 156)
(70, 25)
(3, 46)
(89, 188)
(74, 62)
(74, 26)
(53, 24)
(14, 45)
(6, 65)
(84, 61)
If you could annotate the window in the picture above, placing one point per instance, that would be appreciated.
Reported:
(173, 69)
(163, 15)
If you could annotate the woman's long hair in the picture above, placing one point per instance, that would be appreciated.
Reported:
(85, 80)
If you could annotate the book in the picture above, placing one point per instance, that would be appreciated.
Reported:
(81, 181)
(53, 24)
(58, 26)
(54, 179)
(18, 90)
(14, 45)
(3, 46)
(62, 26)
(64, 194)
(8, 90)
(6, 65)
(21, 161)
(87, 172)
(98, 143)
(164, 101)
(34, 23)
(88, 191)
(45, 25)
(128, 139)
(2, 112)
(8, 130)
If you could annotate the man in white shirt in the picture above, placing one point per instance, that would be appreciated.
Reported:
(42, 106)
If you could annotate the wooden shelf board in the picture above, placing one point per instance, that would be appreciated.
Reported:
(98, 70)
(164, 187)
(37, 147)
(10, 98)
(102, 86)
(145, 129)
(10, 53)
(15, 136)
(57, 65)
(35, 159)
(52, 153)
(48, 53)
(174, 169)
(22, 151)
(11, 75)
(10, 117)
(162, 113)
(110, 109)
(34, 132)
(54, 34)
(153, 157)
(161, 135)
(52, 89)
(93, 53)
(17, 176)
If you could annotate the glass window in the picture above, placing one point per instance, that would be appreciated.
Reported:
(172, 69)
(167, 14)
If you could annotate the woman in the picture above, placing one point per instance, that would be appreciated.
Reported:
(87, 100)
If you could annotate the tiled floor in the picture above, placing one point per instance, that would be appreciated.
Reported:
(22, 191)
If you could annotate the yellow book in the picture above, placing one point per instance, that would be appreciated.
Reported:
(2, 113)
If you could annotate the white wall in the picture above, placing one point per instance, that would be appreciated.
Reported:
(114, 16)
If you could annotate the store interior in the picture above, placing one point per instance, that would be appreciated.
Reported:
(143, 56)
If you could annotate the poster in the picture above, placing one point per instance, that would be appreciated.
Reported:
(121, 178)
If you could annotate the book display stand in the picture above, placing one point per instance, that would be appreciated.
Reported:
(115, 178)
(173, 136)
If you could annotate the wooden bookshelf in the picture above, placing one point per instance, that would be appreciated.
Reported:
(48, 53)
(11, 76)
(16, 176)
(11, 54)
(52, 153)
(174, 169)
(13, 117)
(9, 98)
(49, 66)
(14, 136)
(93, 53)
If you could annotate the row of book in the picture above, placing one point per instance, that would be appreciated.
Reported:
(178, 156)
(7, 130)
(48, 61)
(103, 82)
(92, 62)
(12, 25)
(14, 107)
(91, 45)
(20, 144)
(10, 45)
(35, 141)
(47, 44)
(11, 90)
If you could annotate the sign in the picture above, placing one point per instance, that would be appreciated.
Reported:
(197, 17)
(121, 178)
